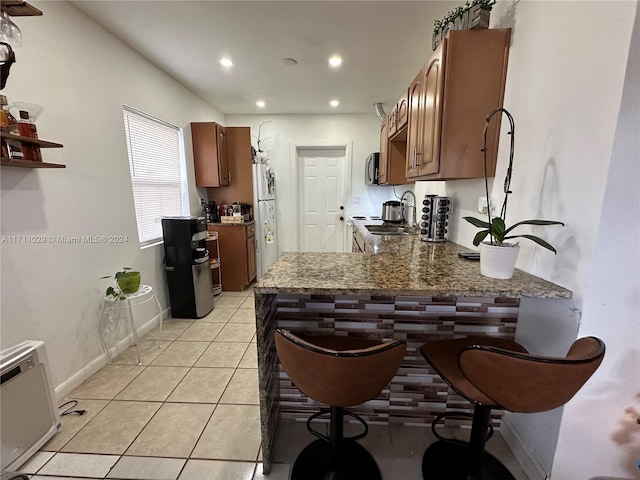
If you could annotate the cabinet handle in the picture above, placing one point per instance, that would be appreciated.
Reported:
(415, 152)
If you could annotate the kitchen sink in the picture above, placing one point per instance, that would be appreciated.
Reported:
(385, 230)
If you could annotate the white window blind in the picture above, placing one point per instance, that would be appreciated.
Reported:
(154, 162)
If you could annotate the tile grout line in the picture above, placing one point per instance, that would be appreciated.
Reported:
(109, 401)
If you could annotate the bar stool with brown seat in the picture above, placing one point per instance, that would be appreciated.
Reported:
(340, 372)
(499, 373)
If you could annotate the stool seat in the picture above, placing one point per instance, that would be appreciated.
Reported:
(499, 373)
(340, 372)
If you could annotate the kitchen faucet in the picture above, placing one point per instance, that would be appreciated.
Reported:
(413, 223)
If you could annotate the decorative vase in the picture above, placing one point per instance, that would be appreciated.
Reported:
(498, 261)
(129, 282)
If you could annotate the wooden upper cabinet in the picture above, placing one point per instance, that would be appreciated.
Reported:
(383, 158)
(210, 154)
(397, 118)
(223, 162)
(415, 130)
(461, 83)
(428, 158)
(402, 111)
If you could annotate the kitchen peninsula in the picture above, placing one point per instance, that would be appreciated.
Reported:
(405, 289)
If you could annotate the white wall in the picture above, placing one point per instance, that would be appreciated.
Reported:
(610, 400)
(564, 85)
(362, 130)
(82, 75)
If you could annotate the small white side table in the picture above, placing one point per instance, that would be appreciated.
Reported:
(130, 300)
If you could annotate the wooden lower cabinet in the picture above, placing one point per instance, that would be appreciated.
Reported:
(237, 255)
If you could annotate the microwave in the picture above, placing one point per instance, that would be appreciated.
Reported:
(371, 169)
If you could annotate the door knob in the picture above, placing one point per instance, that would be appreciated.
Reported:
(341, 207)
(341, 219)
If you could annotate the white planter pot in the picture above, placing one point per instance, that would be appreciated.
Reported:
(498, 262)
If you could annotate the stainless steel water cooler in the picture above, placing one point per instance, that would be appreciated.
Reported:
(187, 266)
(435, 218)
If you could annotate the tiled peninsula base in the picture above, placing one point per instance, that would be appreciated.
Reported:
(416, 394)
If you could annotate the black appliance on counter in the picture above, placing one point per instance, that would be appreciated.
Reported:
(187, 265)
(213, 214)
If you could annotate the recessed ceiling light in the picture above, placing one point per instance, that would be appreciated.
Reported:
(226, 62)
(260, 103)
(335, 61)
(334, 103)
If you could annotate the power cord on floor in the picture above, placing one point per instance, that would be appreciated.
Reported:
(70, 410)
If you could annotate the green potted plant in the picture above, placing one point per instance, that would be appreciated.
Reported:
(498, 257)
(127, 282)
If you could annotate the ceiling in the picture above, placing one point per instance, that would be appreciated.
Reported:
(383, 44)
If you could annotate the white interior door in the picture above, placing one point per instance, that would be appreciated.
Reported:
(322, 199)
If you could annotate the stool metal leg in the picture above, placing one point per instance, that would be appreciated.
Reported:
(335, 457)
(159, 308)
(103, 341)
(133, 331)
(449, 459)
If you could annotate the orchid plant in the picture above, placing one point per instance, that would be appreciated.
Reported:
(496, 227)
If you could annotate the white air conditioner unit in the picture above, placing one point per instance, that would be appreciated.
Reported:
(28, 413)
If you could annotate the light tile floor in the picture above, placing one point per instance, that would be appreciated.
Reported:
(191, 412)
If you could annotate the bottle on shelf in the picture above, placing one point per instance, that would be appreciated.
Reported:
(10, 148)
(27, 128)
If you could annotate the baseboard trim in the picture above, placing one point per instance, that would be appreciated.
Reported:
(528, 463)
(73, 382)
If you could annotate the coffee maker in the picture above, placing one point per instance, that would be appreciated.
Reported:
(213, 213)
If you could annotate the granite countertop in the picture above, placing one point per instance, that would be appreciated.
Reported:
(401, 265)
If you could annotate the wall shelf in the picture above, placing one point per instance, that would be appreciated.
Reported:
(14, 162)
(17, 8)
(32, 141)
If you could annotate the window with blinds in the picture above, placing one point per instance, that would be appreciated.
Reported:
(155, 161)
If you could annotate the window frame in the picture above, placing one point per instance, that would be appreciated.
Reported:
(137, 181)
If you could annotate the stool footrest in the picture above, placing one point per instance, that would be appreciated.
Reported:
(458, 416)
(327, 411)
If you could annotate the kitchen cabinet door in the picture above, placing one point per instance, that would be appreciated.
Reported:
(382, 159)
(428, 158)
(397, 118)
(393, 152)
(251, 258)
(209, 154)
(237, 255)
(402, 112)
(415, 129)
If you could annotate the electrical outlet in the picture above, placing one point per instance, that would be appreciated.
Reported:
(355, 200)
(482, 205)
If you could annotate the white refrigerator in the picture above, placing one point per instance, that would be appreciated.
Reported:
(264, 195)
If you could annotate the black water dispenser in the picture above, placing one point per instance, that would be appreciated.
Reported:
(187, 266)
